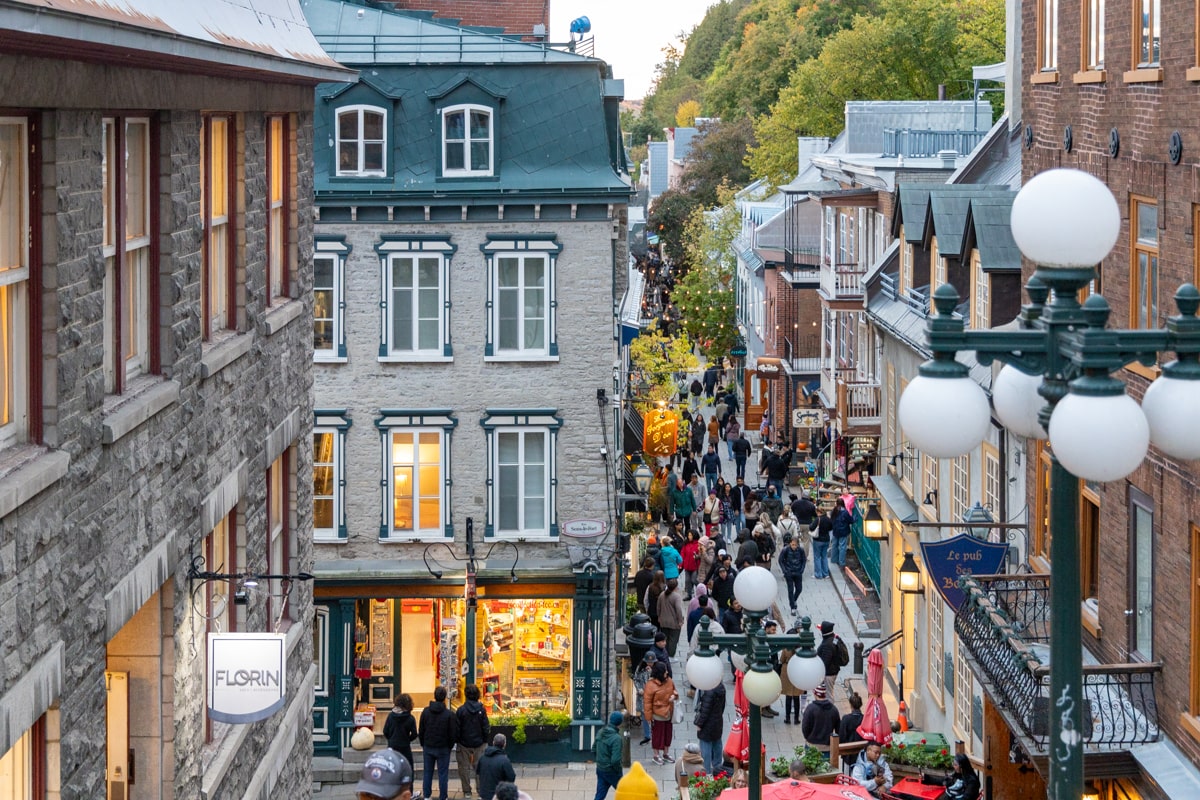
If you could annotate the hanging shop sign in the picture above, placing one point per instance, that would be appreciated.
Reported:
(660, 432)
(949, 560)
(808, 418)
(584, 528)
(246, 676)
(769, 368)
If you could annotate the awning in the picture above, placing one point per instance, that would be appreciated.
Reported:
(812, 387)
(894, 498)
(631, 307)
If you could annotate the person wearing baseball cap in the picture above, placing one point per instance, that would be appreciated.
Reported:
(385, 776)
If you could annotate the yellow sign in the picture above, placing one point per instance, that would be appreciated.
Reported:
(660, 432)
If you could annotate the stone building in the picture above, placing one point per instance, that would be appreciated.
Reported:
(471, 192)
(155, 408)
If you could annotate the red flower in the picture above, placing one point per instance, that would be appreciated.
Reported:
(944, 752)
(922, 741)
(902, 745)
(699, 773)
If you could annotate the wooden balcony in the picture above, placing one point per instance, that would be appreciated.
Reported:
(858, 403)
(842, 281)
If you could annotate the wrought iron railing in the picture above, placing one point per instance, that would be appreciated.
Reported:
(1004, 623)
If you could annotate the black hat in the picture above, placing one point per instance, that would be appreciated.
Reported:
(826, 627)
(386, 774)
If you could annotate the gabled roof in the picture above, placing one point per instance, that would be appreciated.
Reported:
(438, 92)
(987, 227)
(947, 212)
(356, 34)
(913, 204)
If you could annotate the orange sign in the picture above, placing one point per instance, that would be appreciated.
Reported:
(659, 436)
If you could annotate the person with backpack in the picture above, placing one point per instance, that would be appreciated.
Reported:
(793, 559)
(733, 432)
(821, 535)
(474, 732)
(833, 654)
(400, 730)
(842, 521)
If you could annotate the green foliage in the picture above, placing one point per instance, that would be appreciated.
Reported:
(656, 360)
(705, 295)
(815, 762)
(631, 605)
(517, 720)
(702, 786)
(927, 757)
(779, 766)
(706, 41)
(685, 115)
(658, 498)
(667, 217)
(718, 156)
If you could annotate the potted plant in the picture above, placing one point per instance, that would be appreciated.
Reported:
(778, 767)
(702, 786)
(658, 501)
(544, 725)
(816, 765)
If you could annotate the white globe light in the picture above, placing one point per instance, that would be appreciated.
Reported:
(1065, 218)
(805, 673)
(1172, 408)
(762, 688)
(1099, 438)
(738, 660)
(943, 417)
(1017, 402)
(755, 588)
(704, 672)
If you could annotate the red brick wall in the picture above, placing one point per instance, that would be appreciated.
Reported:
(1145, 114)
(515, 16)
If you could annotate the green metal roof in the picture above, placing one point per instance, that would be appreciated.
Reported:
(913, 205)
(988, 225)
(948, 212)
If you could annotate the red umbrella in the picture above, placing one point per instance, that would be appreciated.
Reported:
(801, 790)
(875, 725)
(737, 745)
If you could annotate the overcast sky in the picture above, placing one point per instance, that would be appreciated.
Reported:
(630, 34)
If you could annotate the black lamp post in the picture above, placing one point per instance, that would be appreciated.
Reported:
(1058, 380)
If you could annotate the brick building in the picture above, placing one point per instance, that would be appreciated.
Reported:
(155, 198)
(512, 16)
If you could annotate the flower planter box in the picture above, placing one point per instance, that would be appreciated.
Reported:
(544, 744)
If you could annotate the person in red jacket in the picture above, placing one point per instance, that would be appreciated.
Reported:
(691, 562)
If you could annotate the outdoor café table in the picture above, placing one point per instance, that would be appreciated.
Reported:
(913, 789)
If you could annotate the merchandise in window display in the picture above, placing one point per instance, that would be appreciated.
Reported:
(524, 654)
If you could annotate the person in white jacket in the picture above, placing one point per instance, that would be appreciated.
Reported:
(871, 771)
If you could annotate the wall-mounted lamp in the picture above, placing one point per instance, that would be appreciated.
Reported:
(873, 523)
(977, 514)
(931, 498)
(642, 477)
(897, 457)
(910, 575)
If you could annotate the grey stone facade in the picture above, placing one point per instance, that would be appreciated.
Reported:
(103, 509)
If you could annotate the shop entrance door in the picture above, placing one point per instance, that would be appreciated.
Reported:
(330, 661)
(418, 661)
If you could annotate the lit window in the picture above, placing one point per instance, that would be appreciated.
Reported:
(329, 277)
(281, 162)
(1143, 293)
(417, 458)
(25, 767)
(521, 475)
(281, 500)
(219, 282)
(522, 302)
(126, 168)
(15, 283)
(361, 141)
(329, 475)
(466, 141)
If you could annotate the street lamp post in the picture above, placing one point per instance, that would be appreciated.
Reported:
(755, 588)
(1057, 379)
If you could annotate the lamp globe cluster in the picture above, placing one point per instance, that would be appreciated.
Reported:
(1063, 219)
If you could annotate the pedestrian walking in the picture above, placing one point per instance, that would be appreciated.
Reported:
(385, 776)
(659, 698)
(792, 562)
(660, 651)
(712, 512)
(833, 653)
(642, 581)
(438, 733)
(821, 536)
(671, 615)
(672, 560)
(710, 727)
(641, 676)
(608, 755)
(691, 563)
(474, 732)
(733, 432)
(699, 494)
(848, 728)
(772, 506)
(728, 515)
(791, 692)
(711, 466)
(494, 768)
(683, 504)
(400, 729)
(739, 450)
(650, 601)
(738, 495)
(841, 521)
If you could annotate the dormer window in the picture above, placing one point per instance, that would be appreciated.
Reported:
(361, 140)
(466, 141)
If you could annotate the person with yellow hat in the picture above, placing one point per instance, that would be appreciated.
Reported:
(637, 785)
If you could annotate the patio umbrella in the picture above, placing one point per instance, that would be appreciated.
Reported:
(875, 725)
(737, 745)
(801, 790)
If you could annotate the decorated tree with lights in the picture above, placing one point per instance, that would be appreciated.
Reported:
(661, 365)
(705, 296)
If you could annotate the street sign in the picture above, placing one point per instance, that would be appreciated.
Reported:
(808, 417)
(584, 528)
(769, 368)
(738, 351)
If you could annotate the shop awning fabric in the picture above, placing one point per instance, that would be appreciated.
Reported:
(894, 497)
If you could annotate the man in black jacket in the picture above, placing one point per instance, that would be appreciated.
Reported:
(438, 732)
(710, 727)
(741, 451)
(775, 467)
(494, 767)
(474, 730)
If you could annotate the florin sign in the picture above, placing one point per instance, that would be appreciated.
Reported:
(660, 433)
(247, 676)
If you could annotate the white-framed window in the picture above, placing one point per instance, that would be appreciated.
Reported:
(522, 482)
(127, 205)
(361, 141)
(281, 166)
(219, 289)
(937, 646)
(522, 300)
(416, 465)
(415, 282)
(467, 141)
(960, 486)
(329, 475)
(329, 304)
(964, 694)
(25, 768)
(991, 479)
(981, 313)
(15, 284)
(281, 547)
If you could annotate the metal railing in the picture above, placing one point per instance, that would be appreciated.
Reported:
(360, 48)
(858, 402)
(842, 279)
(926, 144)
(1004, 623)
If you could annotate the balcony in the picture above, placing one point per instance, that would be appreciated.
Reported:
(911, 143)
(1004, 623)
(856, 398)
(842, 281)
(916, 299)
(804, 357)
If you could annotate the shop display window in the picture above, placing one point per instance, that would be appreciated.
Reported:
(523, 654)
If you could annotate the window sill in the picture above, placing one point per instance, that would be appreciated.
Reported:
(522, 357)
(1091, 621)
(216, 356)
(1044, 77)
(27, 470)
(1193, 74)
(408, 538)
(329, 538)
(936, 697)
(1089, 76)
(1190, 725)
(1039, 564)
(278, 318)
(127, 412)
(511, 537)
(416, 359)
(320, 359)
(1149, 373)
(1143, 75)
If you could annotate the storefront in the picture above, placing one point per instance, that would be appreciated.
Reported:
(523, 643)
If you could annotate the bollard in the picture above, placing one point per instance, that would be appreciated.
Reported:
(626, 748)
(858, 658)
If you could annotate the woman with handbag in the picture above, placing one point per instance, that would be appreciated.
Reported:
(712, 512)
(659, 699)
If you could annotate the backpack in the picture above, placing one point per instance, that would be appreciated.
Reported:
(843, 653)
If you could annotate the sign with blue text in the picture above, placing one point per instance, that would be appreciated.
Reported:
(949, 560)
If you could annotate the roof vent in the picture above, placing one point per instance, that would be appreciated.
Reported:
(948, 158)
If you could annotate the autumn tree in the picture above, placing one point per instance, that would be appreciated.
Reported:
(685, 115)
(667, 219)
(657, 364)
(705, 295)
